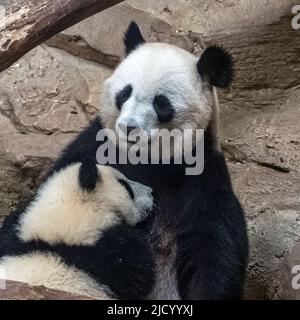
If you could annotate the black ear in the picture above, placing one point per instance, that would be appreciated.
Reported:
(216, 65)
(133, 37)
(88, 175)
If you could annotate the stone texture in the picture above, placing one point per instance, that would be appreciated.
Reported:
(209, 17)
(50, 95)
(107, 33)
(21, 291)
(51, 92)
(289, 274)
(14, 186)
(45, 99)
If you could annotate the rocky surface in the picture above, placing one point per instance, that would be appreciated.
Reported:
(22, 291)
(45, 99)
(289, 275)
(52, 93)
(209, 17)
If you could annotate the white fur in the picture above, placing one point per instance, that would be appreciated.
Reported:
(153, 69)
(50, 271)
(62, 212)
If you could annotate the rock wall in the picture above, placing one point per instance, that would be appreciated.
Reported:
(52, 93)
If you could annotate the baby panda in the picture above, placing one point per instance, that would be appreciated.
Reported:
(78, 235)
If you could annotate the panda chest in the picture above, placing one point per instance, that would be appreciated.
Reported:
(169, 205)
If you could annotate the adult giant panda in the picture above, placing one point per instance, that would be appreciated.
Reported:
(198, 232)
(78, 236)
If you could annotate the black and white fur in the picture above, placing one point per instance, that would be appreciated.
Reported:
(79, 235)
(198, 231)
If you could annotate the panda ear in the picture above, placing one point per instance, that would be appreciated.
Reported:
(88, 175)
(216, 65)
(133, 37)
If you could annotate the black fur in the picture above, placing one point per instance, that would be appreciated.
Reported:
(127, 187)
(88, 175)
(216, 65)
(133, 38)
(163, 108)
(123, 96)
(206, 220)
(120, 260)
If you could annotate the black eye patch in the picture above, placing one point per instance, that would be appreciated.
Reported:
(163, 108)
(123, 96)
(127, 187)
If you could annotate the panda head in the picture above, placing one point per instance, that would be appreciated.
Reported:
(159, 85)
(78, 203)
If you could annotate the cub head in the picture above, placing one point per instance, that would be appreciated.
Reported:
(159, 86)
(78, 203)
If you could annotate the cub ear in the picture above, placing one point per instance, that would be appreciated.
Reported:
(216, 65)
(133, 38)
(88, 175)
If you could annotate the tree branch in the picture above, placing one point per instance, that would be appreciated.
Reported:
(22, 291)
(28, 23)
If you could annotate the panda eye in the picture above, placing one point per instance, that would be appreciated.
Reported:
(123, 96)
(163, 108)
(127, 187)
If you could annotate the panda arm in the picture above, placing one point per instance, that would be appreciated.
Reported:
(212, 249)
(211, 266)
(121, 260)
(128, 267)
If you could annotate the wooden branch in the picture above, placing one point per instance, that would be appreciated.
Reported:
(28, 23)
(23, 291)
